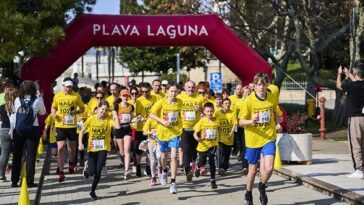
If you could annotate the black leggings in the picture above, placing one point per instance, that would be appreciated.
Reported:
(239, 141)
(96, 161)
(224, 155)
(189, 145)
(201, 160)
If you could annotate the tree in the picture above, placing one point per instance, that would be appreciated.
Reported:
(30, 27)
(160, 59)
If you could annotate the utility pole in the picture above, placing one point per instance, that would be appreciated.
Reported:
(178, 67)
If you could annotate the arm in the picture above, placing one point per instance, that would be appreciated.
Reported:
(195, 135)
(42, 109)
(54, 112)
(253, 121)
(44, 135)
(80, 136)
(338, 79)
(231, 134)
(156, 118)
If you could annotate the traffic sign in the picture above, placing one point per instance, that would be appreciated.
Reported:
(216, 82)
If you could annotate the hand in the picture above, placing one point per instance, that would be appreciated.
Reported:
(197, 107)
(256, 117)
(340, 70)
(44, 136)
(346, 71)
(166, 123)
(81, 147)
(54, 116)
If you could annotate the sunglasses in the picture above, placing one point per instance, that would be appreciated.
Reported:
(134, 93)
(99, 97)
(202, 92)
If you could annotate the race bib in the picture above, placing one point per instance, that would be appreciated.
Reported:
(69, 120)
(264, 117)
(210, 134)
(97, 145)
(125, 118)
(172, 117)
(190, 116)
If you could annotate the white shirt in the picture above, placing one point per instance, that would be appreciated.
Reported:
(38, 107)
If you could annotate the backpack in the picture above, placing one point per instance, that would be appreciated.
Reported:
(24, 117)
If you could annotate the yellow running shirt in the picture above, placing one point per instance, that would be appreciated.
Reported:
(189, 115)
(159, 96)
(209, 134)
(99, 133)
(64, 104)
(81, 118)
(151, 124)
(237, 109)
(52, 130)
(264, 130)
(233, 98)
(111, 99)
(143, 107)
(171, 113)
(226, 125)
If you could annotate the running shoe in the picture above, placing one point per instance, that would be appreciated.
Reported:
(197, 172)
(61, 176)
(127, 175)
(213, 184)
(71, 167)
(248, 198)
(189, 176)
(164, 178)
(263, 195)
(57, 171)
(173, 188)
(93, 195)
(138, 171)
(153, 181)
(203, 170)
(222, 172)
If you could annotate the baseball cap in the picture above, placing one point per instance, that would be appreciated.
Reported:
(68, 83)
(164, 82)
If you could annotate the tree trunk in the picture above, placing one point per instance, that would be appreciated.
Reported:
(339, 117)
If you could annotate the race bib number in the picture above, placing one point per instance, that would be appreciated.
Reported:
(264, 117)
(210, 134)
(190, 116)
(172, 117)
(69, 120)
(97, 145)
(125, 118)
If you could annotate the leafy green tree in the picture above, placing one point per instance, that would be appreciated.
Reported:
(160, 59)
(31, 27)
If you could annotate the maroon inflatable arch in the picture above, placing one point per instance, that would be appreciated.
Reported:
(124, 30)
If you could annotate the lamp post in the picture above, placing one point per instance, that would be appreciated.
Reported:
(178, 64)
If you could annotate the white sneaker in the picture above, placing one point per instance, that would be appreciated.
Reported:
(104, 171)
(164, 178)
(173, 188)
(85, 171)
(356, 175)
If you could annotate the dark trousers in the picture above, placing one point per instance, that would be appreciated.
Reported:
(28, 142)
(189, 145)
(224, 155)
(239, 142)
(96, 161)
(201, 160)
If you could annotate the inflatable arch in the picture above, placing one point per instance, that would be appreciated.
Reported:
(140, 30)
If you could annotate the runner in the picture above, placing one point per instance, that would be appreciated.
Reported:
(259, 117)
(156, 86)
(123, 112)
(169, 129)
(63, 111)
(191, 111)
(99, 127)
(227, 124)
(210, 134)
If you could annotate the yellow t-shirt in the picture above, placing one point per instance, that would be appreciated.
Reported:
(143, 108)
(111, 100)
(275, 91)
(171, 113)
(189, 115)
(133, 125)
(159, 96)
(151, 124)
(264, 130)
(226, 125)
(92, 104)
(233, 98)
(209, 134)
(49, 121)
(63, 104)
(99, 133)
(237, 109)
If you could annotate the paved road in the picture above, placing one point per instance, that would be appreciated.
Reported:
(114, 190)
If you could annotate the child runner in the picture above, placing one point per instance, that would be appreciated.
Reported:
(149, 129)
(209, 128)
(169, 129)
(99, 127)
(259, 117)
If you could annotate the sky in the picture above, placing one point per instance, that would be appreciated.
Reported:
(106, 7)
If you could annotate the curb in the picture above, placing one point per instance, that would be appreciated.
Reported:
(321, 186)
(45, 170)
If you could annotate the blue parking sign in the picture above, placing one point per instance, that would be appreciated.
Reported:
(216, 82)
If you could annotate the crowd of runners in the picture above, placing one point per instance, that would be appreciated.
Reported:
(177, 127)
